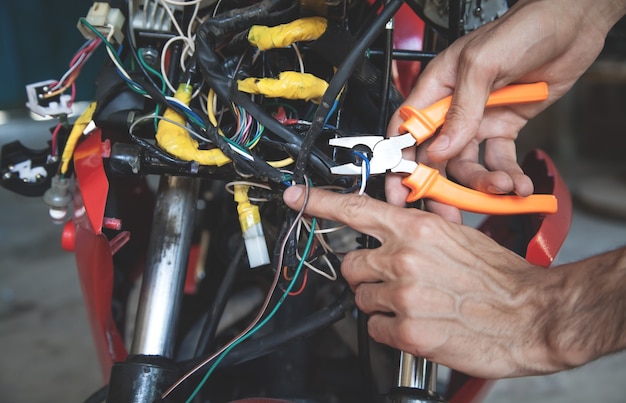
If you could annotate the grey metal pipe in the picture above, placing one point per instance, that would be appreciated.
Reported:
(164, 276)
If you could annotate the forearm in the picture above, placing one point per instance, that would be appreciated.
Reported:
(588, 317)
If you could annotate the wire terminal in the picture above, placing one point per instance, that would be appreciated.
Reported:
(104, 18)
(47, 106)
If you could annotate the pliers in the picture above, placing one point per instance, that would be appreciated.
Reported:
(426, 182)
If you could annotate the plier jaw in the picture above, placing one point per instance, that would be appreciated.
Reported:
(386, 154)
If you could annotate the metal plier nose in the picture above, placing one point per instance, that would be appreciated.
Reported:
(426, 182)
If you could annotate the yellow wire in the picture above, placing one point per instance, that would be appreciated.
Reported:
(77, 131)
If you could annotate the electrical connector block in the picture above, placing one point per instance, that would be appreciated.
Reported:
(251, 228)
(102, 17)
(53, 106)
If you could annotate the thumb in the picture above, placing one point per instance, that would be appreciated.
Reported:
(465, 114)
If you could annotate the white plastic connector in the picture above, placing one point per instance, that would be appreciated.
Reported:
(53, 106)
(256, 247)
(103, 17)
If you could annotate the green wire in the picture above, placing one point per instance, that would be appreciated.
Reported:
(265, 320)
(284, 105)
(160, 77)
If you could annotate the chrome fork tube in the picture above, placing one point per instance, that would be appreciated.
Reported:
(416, 372)
(163, 280)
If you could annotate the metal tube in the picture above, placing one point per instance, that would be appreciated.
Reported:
(164, 275)
(416, 372)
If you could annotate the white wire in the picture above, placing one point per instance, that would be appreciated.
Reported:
(172, 17)
(219, 3)
(333, 273)
(299, 56)
(167, 44)
(183, 3)
(230, 189)
(363, 178)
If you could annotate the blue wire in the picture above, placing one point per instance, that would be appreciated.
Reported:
(332, 110)
(366, 161)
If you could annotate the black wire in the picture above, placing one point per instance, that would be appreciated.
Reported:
(337, 83)
(207, 334)
(268, 343)
(386, 84)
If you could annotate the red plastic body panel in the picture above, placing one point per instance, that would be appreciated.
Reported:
(542, 248)
(94, 258)
(408, 35)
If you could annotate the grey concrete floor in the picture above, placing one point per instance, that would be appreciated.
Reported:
(45, 342)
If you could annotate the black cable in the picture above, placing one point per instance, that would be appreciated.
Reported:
(365, 359)
(99, 395)
(207, 334)
(386, 82)
(455, 10)
(268, 343)
(337, 83)
(399, 54)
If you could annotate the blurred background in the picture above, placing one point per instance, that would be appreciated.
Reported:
(45, 341)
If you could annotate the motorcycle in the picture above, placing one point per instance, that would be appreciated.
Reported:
(204, 112)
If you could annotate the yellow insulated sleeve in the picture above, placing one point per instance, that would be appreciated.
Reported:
(176, 140)
(288, 85)
(248, 212)
(281, 36)
(77, 130)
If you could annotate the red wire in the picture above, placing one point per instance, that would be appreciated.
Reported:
(304, 280)
(55, 134)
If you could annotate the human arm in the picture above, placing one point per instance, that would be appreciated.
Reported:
(537, 40)
(451, 294)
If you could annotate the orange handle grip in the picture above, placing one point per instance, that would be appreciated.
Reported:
(423, 123)
(425, 182)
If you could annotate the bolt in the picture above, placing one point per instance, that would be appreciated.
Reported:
(7, 176)
(478, 11)
(150, 56)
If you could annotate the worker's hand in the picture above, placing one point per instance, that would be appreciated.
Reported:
(441, 290)
(553, 41)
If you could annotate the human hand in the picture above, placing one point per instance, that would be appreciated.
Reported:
(553, 41)
(440, 290)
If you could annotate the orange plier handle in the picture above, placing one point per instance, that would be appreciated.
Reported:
(423, 123)
(426, 182)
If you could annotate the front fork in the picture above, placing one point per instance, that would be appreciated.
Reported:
(149, 369)
(416, 381)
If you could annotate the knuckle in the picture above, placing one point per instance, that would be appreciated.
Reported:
(407, 336)
(353, 205)
(403, 300)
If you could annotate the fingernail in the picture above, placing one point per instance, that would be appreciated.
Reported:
(292, 194)
(440, 144)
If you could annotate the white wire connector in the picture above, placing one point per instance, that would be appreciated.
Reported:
(104, 18)
(251, 228)
(51, 106)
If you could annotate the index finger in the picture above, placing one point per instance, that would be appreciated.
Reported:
(360, 212)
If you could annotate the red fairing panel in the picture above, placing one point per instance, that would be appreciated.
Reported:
(94, 257)
(551, 231)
